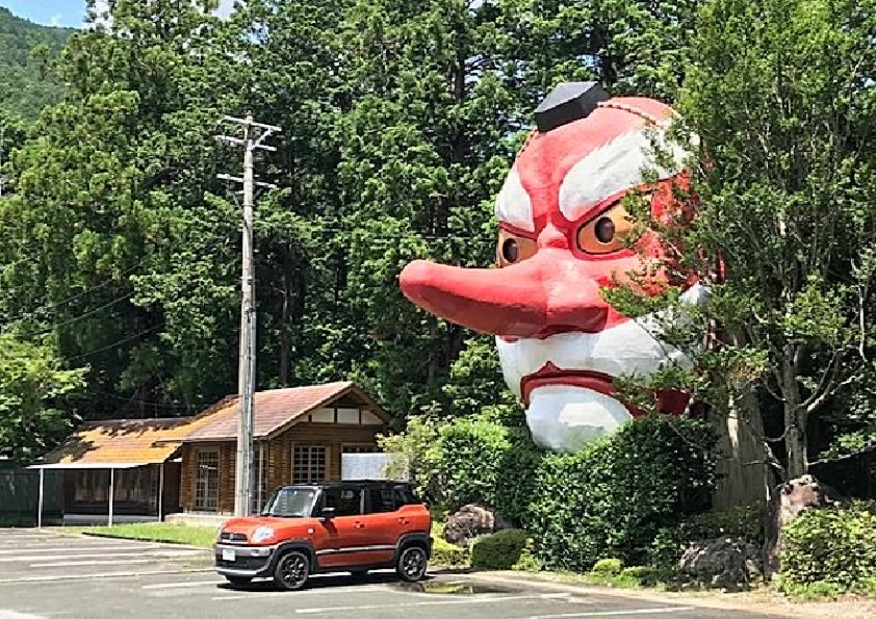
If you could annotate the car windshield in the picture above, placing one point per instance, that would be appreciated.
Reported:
(291, 503)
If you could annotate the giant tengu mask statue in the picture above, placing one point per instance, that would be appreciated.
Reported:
(561, 239)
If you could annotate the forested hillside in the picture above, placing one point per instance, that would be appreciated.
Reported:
(24, 47)
(120, 265)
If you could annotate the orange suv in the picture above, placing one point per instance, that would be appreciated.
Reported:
(328, 527)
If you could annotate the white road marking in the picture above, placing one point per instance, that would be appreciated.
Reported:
(618, 613)
(98, 562)
(157, 553)
(59, 577)
(11, 614)
(181, 585)
(471, 600)
(57, 549)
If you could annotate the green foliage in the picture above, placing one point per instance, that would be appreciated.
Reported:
(500, 551)
(644, 575)
(528, 562)
(744, 523)
(470, 459)
(203, 537)
(816, 591)
(613, 497)
(26, 48)
(829, 549)
(33, 390)
(610, 567)
(446, 554)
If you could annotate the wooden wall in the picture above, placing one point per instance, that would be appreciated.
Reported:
(278, 453)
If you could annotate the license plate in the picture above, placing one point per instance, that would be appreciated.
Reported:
(228, 554)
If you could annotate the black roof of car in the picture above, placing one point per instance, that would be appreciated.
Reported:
(352, 482)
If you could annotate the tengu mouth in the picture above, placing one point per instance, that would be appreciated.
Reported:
(550, 374)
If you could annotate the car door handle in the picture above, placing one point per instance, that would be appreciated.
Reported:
(404, 520)
(359, 525)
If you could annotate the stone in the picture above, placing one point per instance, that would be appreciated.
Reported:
(472, 521)
(724, 563)
(788, 501)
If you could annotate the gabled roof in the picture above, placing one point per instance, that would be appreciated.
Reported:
(276, 410)
(122, 442)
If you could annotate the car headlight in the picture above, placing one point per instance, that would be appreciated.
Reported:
(262, 534)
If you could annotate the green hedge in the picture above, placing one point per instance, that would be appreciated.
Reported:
(499, 551)
(744, 523)
(612, 498)
(835, 548)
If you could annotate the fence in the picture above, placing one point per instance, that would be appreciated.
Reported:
(19, 494)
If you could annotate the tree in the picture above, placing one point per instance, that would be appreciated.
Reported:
(781, 93)
(34, 387)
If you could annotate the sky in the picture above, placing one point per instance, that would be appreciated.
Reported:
(69, 13)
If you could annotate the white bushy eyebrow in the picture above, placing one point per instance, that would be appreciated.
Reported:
(614, 167)
(513, 204)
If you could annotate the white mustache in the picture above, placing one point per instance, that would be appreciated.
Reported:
(628, 349)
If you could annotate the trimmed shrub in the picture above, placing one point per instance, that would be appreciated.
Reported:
(644, 575)
(613, 497)
(499, 551)
(744, 523)
(836, 547)
(472, 453)
(608, 567)
(449, 555)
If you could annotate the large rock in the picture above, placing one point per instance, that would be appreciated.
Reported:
(724, 562)
(789, 500)
(472, 521)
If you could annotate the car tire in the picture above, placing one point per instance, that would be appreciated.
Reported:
(292, 570)
(412, 563)
(238, 582)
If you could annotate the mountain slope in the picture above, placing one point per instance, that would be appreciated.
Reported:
(23, 91)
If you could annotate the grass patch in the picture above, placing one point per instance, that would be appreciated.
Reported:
(203, 537)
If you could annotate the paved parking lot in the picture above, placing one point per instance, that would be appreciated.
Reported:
(43, 574)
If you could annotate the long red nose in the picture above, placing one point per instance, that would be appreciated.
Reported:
(552, 292)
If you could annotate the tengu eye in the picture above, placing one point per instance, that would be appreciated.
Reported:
(513, 248)
(605, 233)
(510, 251)
(604, 229)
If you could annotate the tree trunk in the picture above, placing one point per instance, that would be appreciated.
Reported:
(744, 476)
(795, 421)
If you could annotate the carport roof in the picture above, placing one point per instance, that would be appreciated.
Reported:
(121, 443)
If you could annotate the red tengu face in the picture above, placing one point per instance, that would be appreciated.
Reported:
(562, 237)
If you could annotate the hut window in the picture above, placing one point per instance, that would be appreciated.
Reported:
(309, 463)
(207, 481)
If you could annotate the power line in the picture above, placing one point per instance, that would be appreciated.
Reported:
(77, 318)
(74, 297)
(113, 345)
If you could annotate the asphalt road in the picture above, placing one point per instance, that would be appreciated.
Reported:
(44, 575)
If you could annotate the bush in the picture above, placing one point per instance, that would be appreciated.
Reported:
(611, 567)
(744, 523)
(644, 575)
(499, 551)
(612, 498)
(470, 460)
(835, 547)
(449, 555)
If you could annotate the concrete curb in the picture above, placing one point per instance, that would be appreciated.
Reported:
(534, 581)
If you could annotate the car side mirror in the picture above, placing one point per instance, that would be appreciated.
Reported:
(327, 513)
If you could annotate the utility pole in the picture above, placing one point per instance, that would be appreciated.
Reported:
(254, 135)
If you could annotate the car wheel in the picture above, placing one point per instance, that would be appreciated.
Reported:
(238, 581)
(411, 564)
(292, 570)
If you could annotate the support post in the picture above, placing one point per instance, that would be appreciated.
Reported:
(161, 492)
(40, 500)
(111, 495)
(254, 135)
